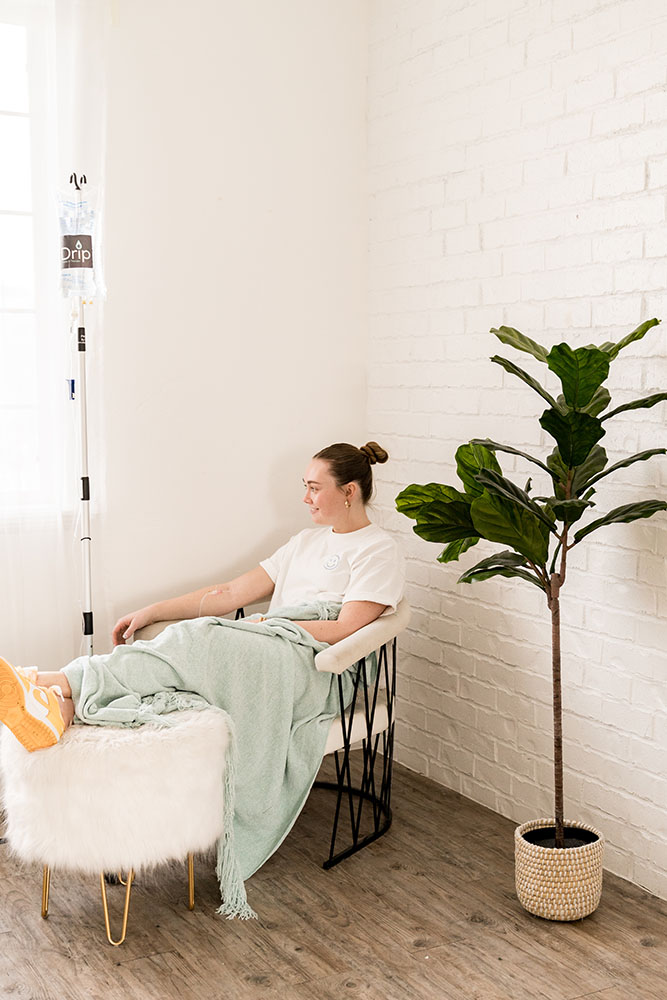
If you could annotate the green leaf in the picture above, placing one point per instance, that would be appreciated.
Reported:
(501, 564)
(455, 549)
(641, 456)
(575, 434)
(623, 515)
(600, 401)
(645, 403)
(494, 446)
(594, 463)
(500, 485)
(437, 531)
(442, 521)
(505, 558)
(554, 560)
(581, 372)
(522, 574)
(559, 472)
(470, 459)
(413, 498)
(613, 349)
(442, 512)
(499, 520)
(513, 369)
(508, 335)
(568, 511)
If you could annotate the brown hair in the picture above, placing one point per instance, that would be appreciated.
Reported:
(349, 464)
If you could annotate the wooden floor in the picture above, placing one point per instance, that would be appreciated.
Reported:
(429, 911)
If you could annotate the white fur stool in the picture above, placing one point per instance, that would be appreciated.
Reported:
(108, 799)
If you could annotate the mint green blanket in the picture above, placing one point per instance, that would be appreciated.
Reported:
(279, 708)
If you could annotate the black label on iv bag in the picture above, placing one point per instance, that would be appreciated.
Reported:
(77, 251)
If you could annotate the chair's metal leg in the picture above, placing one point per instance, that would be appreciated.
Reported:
(46, 883)
(191, 882)
(375, 787)
(126, 910)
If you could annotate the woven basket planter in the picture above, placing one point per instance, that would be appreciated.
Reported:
(558, 883)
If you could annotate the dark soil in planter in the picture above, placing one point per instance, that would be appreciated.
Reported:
(546, 837)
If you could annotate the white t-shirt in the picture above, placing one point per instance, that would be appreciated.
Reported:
(319, 564)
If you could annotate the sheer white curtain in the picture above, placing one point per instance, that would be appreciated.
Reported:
(52, 57)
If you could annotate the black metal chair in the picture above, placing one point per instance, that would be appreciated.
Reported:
(362, 811)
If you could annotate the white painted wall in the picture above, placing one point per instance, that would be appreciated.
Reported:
(234, 341)
(517, 161)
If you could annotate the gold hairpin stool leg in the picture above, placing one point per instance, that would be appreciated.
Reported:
(191, 882)
(46, 882)
(126, 911)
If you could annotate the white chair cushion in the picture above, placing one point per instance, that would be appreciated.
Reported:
(337, 658)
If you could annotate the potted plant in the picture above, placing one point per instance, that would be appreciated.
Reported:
(558, 863)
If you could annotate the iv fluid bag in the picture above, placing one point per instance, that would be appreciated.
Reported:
(80, 244)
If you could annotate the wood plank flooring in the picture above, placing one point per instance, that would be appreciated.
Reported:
(428, 912)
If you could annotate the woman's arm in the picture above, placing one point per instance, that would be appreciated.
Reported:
(217, 599)
(353, 616)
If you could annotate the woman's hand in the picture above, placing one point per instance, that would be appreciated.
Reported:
(126, 626)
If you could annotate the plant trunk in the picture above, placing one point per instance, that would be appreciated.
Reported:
(557, 709)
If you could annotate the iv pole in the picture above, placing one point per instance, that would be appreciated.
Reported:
(85, 479)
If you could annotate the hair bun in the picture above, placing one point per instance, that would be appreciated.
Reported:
(374, 453)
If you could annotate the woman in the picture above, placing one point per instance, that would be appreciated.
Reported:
(344, 560)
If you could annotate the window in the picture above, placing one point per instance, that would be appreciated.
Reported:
(33, 338)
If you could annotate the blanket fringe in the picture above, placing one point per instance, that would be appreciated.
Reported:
(232, 889)
(159, 708)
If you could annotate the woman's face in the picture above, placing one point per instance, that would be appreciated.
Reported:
(324, 499)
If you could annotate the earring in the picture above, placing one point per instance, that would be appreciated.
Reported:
(347, 503)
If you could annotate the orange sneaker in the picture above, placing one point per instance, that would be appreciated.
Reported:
(29, 672)
(31, 712)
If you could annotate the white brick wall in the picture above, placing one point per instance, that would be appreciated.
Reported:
(518, 175)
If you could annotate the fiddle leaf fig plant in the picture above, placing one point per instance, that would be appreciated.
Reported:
(538, 532)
